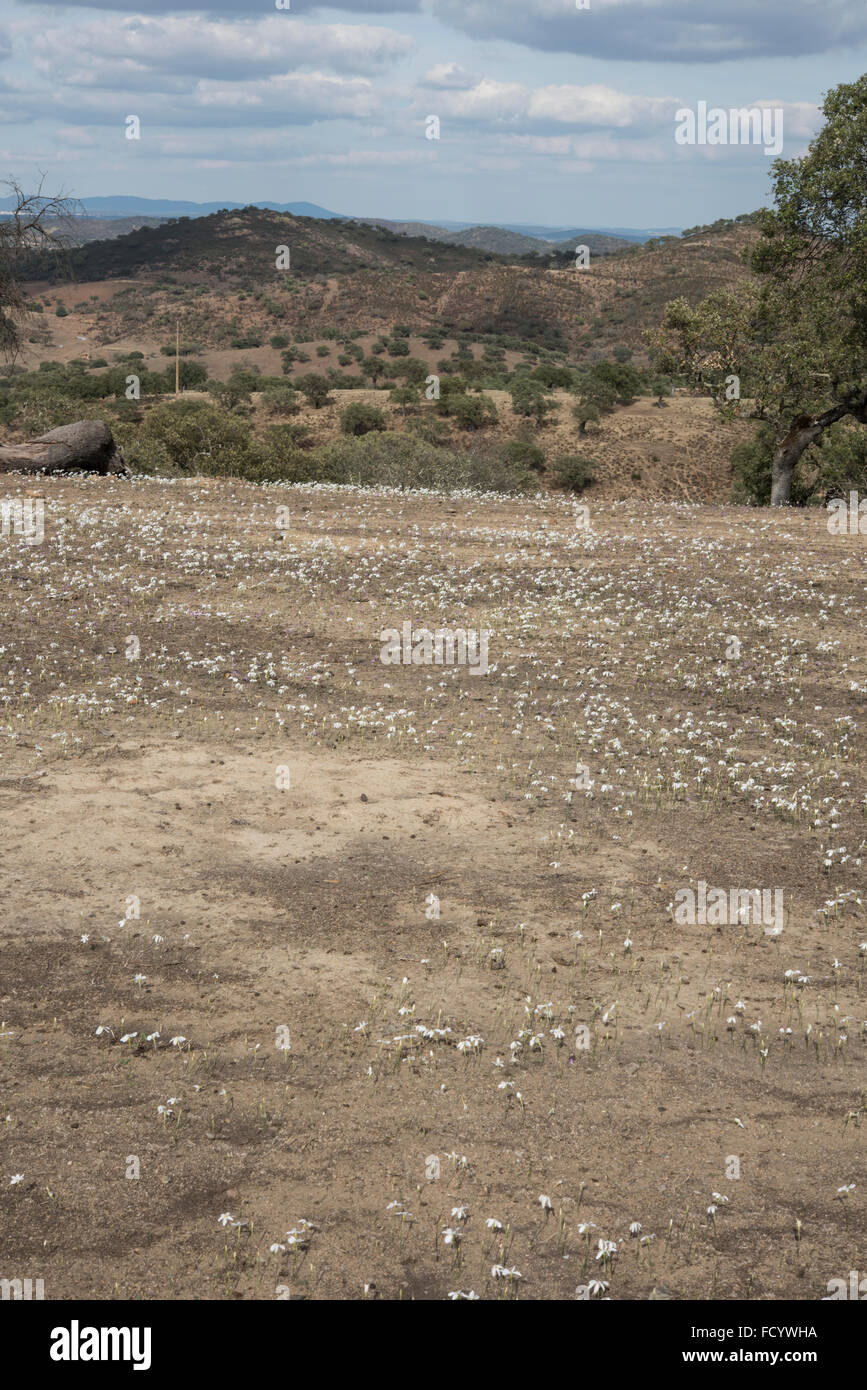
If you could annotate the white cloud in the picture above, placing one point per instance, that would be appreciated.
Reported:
(449, 76)
(511, 103)
(164, 50)
(596, 105)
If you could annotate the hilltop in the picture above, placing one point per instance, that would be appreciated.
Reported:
(505, 241)
(242, 246)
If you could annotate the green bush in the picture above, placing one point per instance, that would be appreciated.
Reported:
(574, 473)
(586, 413)
(529, 399)
(193, 437)
(523, 454)
(316, 389)
(553, 376)
(359, 418)
(472, 412)
(280, 400)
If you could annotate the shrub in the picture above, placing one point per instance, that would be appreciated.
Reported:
(660, 387)
(359, 418)
(472, 412)
(528, 398)
(194, 437)
(523, 454)
(552, 376)
(574, 473)
(622, 378)
(404, 396)
(280, 400)
(316, 389)
(231, 393)
(586, 413)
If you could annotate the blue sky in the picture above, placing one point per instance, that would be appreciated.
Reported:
(547, 113)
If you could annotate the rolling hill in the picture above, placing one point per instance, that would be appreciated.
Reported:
(218, 276)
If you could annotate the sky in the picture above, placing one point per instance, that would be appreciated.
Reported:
(555, 112)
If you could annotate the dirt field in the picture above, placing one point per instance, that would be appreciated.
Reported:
(228, 1006)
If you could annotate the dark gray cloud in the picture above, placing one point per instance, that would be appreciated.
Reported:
(228, 9)
(655, 31)
(688, 31)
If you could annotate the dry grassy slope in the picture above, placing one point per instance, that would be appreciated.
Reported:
(611, 302)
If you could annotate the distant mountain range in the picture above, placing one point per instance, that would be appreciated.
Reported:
(485, 238)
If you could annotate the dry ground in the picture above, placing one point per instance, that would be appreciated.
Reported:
(228, 832)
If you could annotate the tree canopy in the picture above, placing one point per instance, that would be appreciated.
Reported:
(792, 340)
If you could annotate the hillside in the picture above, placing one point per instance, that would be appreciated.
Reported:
(78, 231)
(217, 277)
(242, 246)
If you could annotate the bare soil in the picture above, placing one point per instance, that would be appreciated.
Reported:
(225, 821)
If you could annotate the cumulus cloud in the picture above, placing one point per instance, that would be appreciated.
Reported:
(288, 99)
(589, 107)
(447, 76)
(163, 51)
(687, 31)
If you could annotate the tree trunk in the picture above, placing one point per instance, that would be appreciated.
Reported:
(87, 444)
(803, 433)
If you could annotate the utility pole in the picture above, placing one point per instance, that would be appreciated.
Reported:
(177, 357)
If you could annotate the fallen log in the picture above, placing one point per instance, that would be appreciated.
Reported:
(87, 444)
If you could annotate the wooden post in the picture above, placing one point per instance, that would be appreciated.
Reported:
(177, 356)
